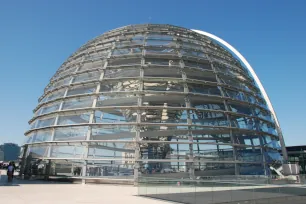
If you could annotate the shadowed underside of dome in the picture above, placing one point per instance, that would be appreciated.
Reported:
(149, 100)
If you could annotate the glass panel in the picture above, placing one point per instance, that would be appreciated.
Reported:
(244, 122)
(158, 36)
(28, 139)
(251, 169)
(273, 143)
(264, 114)
(202, 103)
(235, 73)
(261, 102)
(129, 85)
(161, 100)
(189, 45)
(113, 132)
(210, 135)
(163, 116)
(165, 62)
(73, 119)
(249, 98)
(235, 94)
(160, 50)
(92, 65)
(122, 44)
(204, 152)
(126, 51)
(62, 82)
(137, 40)
(218, 59)
(66, 168)
(124, 62)
(119, 73)
(78, 103)
(104, 45)
(82, 90)
(97, 55)
(117, 100)
(199, 117)
(112, 150)
(39, 151)
(249, 155)
(67, 151)
(200, 75)
(273, 156)
(163, 86)
(164, 151)
(87, 77)
(33, 124)
(65, 72)
(48, 109)
(232, 82)
(54, 95)
(168, 43)
(203, 89)
(201, 65)
(244, 138)
(216, 169)
(115, 116)
(59, 83)
(193, 53)
(42, 136)
(240, 109)
(70, 133)
(267, 127)
(186, 39)
(162, 72)
(159, 169)
(111, 168)
(45, 122)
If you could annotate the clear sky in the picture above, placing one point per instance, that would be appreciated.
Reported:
(36, 36)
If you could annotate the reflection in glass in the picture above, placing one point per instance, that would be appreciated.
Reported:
(163, 86)
(115, 116)
(128, 85)
(73, 119)
(70, 133)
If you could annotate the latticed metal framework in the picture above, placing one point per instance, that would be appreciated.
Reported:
(151, 99)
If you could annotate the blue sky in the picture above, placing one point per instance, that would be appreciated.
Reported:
(37, 36)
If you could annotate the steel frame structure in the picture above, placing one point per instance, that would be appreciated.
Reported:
(145, 97)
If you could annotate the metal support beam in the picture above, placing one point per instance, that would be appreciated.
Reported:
(263, 91)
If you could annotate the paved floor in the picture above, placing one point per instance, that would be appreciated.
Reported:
(263, 195)
(35, 192)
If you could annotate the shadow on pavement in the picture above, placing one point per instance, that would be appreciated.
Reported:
(262, 195)
(17, 182)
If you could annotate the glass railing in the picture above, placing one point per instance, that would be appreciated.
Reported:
(224, 189)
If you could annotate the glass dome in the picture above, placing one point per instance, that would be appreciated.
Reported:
(150, 100)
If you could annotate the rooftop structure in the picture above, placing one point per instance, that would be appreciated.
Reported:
(149, 100)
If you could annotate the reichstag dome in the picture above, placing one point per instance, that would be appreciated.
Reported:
(153, 100)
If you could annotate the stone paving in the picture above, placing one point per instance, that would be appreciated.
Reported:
(35, 192)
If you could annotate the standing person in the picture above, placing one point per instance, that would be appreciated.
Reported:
(10, 172)
(14, 168)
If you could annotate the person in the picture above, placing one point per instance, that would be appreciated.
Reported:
(14, 168)
(10, 172)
